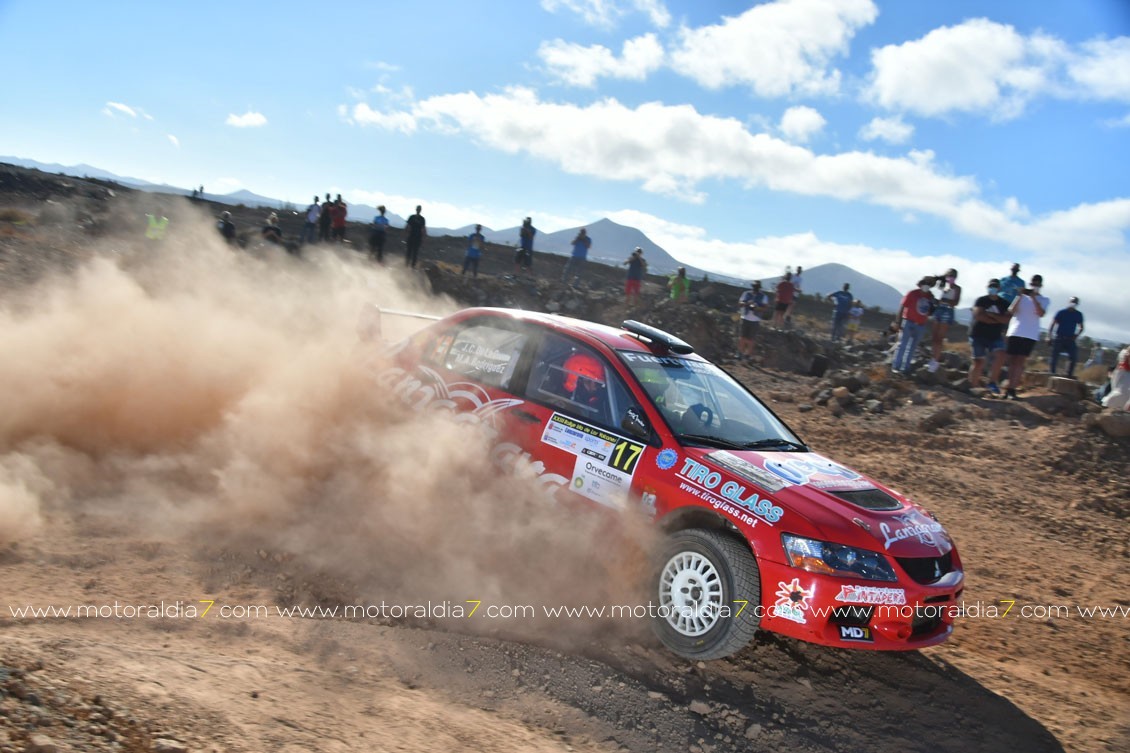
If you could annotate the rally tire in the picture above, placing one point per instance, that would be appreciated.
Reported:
(699, 574)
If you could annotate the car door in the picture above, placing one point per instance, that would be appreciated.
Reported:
(569, 424)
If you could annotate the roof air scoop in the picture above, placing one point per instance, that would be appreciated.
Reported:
(658, 337)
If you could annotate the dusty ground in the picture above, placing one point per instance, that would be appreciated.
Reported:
(1037, 504)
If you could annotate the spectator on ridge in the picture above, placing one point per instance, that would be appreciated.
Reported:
(786, 294)
(633, 284)
(752, 306)
(475, 242)
(841, 308)
(524, 256)
(679, 286)
(1023, 331)
(325, 219)
(576, 263)
(986, 336)
(949, 295)
(417, 228)
(271, 231)
(1012, 285)
(227, 228)
(1119, 396)
(310, 227)
(1066, 327)
(377, 233)
(911, 322)
(855, 316)
(338, 214)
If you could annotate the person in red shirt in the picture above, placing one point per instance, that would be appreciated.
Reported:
(911, 323)
(338, 213)
(786, 294)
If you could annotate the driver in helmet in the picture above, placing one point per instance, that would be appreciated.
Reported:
(584, 380)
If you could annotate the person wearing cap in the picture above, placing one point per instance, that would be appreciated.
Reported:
(271, 232)
(226, 228)
(949, 295)
(1066, 327)
(1012, 285)
(1023, 331)
(786, 296)
(751, 307)
(911, 323)
(986, 336)
(637, 266)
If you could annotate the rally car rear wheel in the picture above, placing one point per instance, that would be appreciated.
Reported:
(708, 591)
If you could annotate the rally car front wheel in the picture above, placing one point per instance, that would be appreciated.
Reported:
(708, 591)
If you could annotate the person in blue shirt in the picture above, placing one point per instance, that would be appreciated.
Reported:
(841, 302)
(1066, 326)
(581, 245)
(475, 242)
(377, 234)
(1012, 285)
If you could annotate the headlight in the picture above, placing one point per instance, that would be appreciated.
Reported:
(836, 559)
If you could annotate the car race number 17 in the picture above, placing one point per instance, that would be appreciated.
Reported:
(605, 462)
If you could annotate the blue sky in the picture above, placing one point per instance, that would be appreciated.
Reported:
(899, 138)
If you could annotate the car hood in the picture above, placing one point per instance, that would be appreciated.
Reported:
(821, 498)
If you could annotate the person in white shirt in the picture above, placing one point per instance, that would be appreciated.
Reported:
(1023, 331)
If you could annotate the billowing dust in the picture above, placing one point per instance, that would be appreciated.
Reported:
(184, 387)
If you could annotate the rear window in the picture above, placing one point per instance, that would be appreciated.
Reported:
(481, 352)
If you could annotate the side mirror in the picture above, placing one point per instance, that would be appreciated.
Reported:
(635, 423)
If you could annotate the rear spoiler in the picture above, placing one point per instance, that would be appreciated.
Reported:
(369, 323)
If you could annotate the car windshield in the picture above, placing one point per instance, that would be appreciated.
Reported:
(705, 406)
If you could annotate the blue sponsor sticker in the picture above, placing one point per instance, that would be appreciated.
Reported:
(666, 459)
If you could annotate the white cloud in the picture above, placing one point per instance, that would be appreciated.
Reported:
(976, 66)
(1123, 122)
(173, 140)
(671, 149)
(800, 123)
(605, 13)
(249, 119)
(984, 67)
(892, 130)
(117, 107)
(655, 10)
(578, 65)
(777, 48)
(362, 114)
(1103, 69)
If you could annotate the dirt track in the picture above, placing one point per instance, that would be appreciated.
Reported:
(1037, 505)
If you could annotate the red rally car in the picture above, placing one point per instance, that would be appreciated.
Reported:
(761, 531)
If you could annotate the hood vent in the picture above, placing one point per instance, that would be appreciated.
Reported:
(869, 499)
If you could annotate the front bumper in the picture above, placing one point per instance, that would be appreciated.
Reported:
(854, 613)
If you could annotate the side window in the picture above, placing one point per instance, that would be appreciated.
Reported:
(485, 353)
(573, 378)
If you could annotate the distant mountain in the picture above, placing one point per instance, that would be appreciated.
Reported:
(828, 278)
(77, 171)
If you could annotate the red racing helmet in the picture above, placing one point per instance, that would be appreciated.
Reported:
(581, 365)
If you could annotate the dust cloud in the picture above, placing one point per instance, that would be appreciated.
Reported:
(190, 391)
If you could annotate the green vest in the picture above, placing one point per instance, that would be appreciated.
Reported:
(156, 229)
